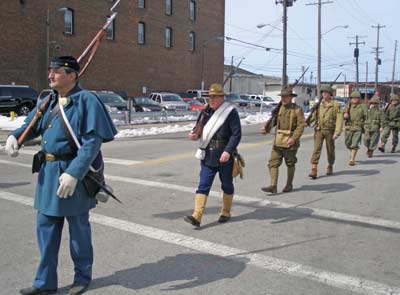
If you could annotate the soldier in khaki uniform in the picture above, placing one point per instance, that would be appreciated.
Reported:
(328, 120)
(372, 126)
(391, 123)
(290, 125)
(355, 115)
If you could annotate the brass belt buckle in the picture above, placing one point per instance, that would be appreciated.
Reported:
(50, 157)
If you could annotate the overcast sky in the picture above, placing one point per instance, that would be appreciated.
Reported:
(242, 18)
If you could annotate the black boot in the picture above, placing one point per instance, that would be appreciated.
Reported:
(223, 219)
(78, 288)
(36, 291)
(191, 220)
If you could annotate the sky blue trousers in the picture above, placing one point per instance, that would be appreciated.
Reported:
(48, 231)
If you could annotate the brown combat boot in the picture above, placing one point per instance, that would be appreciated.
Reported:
(393, 149)
(289, 182)
(274, 172)
(352, 161)
(270, 189)
(329, 170)
(314, 171)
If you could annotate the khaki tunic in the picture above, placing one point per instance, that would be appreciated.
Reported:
(391, 123)
(372, 128)
(330, 122)
(290, 120)
(355, 125)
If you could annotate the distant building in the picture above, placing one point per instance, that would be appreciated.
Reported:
(304, 91)
(245, 82)
(152, 45)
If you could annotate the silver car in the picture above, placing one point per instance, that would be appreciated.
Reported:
(170, 101)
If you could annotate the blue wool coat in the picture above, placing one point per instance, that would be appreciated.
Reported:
(92, 126)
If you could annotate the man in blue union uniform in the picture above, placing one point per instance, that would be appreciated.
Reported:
(60, 193)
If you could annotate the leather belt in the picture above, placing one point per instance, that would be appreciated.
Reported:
(215, 143)
(65, 157)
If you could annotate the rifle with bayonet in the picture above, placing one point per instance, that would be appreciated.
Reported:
(91, 48)
(315, 109)
(272, 121)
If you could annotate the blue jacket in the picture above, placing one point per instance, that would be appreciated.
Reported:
(92, 126)
(230, 132)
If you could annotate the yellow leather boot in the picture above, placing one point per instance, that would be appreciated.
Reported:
(199, 205)
(225, 214)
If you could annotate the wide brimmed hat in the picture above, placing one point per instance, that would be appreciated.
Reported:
(64, 61)
(287, 90)
(394, 97)
(355, 94)
(216, 89)
(327, 88)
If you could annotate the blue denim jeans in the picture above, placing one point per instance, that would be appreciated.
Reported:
(207, 175)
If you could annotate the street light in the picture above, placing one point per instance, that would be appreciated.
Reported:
(203, 46)
(335, 27)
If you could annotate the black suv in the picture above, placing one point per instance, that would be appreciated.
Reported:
(20, 99)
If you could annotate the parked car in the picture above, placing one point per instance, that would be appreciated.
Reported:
(145, 104)
(112, 101)
(187, 96)
(235, 98)
(195, 105)
(17, 98)
(171, 101)
(268, 101)
(198, 93)
(252, 101)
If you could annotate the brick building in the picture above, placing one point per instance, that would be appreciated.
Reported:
(153, 45)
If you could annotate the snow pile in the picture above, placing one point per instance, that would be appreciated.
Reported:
(6, 124)
(154, 130)
(256, 119)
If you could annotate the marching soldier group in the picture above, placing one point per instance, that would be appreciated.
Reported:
(76, 114)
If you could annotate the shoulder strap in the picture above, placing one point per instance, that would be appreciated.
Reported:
(71, 141)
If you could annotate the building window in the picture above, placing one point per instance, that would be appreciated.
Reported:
(168, 36)
(168, 7)
(141, 33)
(68, 21)
(192, 41)
(192, 10)
(110, 31)
(141, 3)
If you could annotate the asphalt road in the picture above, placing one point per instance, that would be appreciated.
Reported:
(334, 235)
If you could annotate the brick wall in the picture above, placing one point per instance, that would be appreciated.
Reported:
(122, 63)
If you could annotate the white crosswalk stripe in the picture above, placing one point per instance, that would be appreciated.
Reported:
(269, 263)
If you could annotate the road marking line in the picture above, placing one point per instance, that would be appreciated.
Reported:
(241, 147)
(252, 201)
(321, 213)
(106, 160)
(269, 263)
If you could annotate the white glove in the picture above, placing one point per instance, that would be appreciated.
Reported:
(11, 147)
(67, 185)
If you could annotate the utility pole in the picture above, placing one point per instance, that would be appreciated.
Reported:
(319, 3)
(366, 82)
(311, 77)
(394, 67)
(357, 54)
(230, 80)
(302, 70)
(285, 4)
(377, 60)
